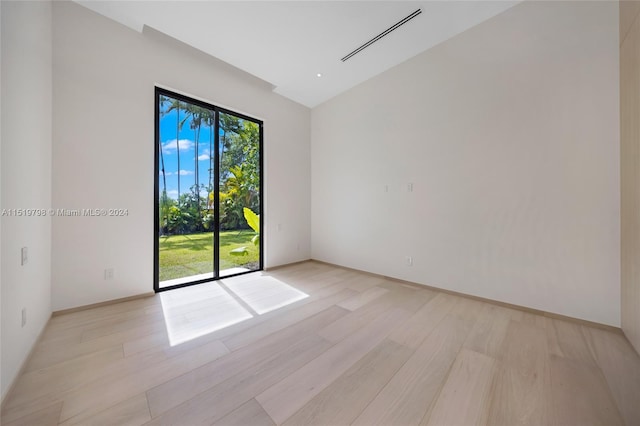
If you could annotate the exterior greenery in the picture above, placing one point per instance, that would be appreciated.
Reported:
(186, 216)
(186, 255)
(239, 150)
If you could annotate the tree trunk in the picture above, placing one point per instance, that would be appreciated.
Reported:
(178, 147)
(197, 179)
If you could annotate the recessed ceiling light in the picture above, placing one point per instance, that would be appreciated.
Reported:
(318, 75)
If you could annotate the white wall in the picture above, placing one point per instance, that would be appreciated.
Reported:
(25, 177)
(509, 133)
(104, 77)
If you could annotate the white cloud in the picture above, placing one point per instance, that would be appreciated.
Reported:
(182, 173)
(205, 156)
(169, 147)
(173, 193)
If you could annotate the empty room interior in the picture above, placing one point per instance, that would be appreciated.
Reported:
(320, 212)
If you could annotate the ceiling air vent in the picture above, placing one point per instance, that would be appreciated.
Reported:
(382, 34)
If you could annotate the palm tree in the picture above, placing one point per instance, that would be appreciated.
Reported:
(228, 124)
(209, 120)
(196, 122)
(163, 100)
(178, 145)
(198, 116)
(176, 105)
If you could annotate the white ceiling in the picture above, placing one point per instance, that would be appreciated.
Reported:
(287, 43)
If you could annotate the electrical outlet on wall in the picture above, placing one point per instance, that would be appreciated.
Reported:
(108, 274)
(24, 256)
(409, 261)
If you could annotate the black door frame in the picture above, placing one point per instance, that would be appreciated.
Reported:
(216, 229)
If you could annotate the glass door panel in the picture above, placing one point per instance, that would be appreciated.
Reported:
(239, 151)
(208, 199)
(186, 180)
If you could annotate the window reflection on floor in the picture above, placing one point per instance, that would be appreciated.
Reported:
(265, 294)
(194, 311)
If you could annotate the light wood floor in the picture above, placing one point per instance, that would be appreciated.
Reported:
(316, 344)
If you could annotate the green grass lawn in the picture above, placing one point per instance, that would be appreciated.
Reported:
(185, 255)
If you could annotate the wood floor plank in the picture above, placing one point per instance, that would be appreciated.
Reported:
(341, 328)
(44, 356)
(362, 282)
(464, 398)
(393, 284)
(522, 382)
(412, 333)
(533, 319)
(69, 327)
(394, 354)
(145, 343)
(53, 335)
(468, 310)
(580, 396)
(60, 377)
(566, 340)
(160, 340)
(130, 412)
(213, 404)
(342, 401)
(31, 407)
(179, 390)
(489, 332)
(248, 414)
(104, 313)
(621, 367)
(289, 395)
(263, 329)
(109, 391)
(326, 276)
(116, 325)
(363, 298)
(79, 379)
(409, 394)
(47, 416)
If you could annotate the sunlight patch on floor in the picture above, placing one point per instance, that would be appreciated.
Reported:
(195, 311)
(265, 294)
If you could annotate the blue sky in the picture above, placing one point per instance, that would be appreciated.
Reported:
(186, 143)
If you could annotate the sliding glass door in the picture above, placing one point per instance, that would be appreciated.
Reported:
(208, 192)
